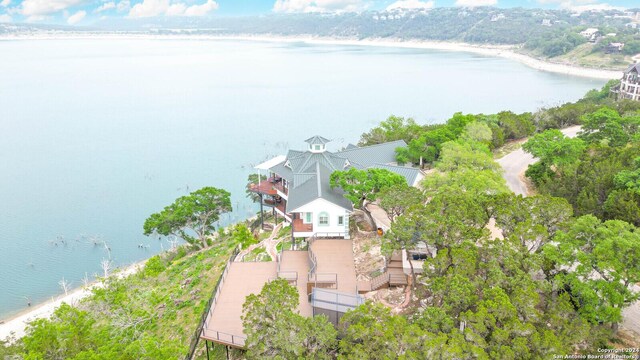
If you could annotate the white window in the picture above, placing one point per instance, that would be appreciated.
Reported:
(316, 147)
(308, 216)
(341, 220)
(323, 219)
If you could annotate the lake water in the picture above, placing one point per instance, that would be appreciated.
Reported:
(95, 135)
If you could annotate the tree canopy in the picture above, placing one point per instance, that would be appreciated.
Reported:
(195, 213)
(364, 185)
(274, 328)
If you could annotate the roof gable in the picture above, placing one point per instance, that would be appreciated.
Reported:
(317, 140)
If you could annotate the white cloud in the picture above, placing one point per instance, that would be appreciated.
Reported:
(476, 3)
(123, 6)
(201, 10)
(411, 4)
(293, 6)
(77, 17)
(39, 8)
(5, 3)
(106, 6)
(176, 9)
(149, 8)
(4, 18)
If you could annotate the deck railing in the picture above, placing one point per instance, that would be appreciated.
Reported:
(206, 314)
(334, 300)
(380, 281)
(312, 257)
(219, 336)
(290, 276)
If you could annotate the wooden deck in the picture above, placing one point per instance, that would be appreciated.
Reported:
(299, 226)
(268, 187)
(336, 257)
(244, 278)
(263, 187)
(298, 261)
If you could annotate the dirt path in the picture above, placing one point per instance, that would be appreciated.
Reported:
(268, 243)
(271, 242)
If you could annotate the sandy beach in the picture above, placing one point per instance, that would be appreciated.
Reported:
(503, 51)
(16, 325)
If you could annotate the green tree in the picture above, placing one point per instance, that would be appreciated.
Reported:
(466, 154)
(274, 329)
(394, 128)
(395, 200)
(195, 213)
(241, 234)
(372, 332)
(364, 185)
(623, 205)
(604, 260)
(552, 147)
(425, 148)
(516, 126)
(629, 179)
(64, 336)
(477, 131)
(606, 124)
(531, 221)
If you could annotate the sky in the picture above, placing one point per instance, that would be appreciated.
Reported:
(86, 12)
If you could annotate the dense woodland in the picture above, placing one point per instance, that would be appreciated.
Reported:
(555, 282)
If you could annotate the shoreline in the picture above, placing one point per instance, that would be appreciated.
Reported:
(499, 51)
(16, 324)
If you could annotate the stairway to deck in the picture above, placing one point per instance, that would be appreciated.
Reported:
(393, 276)
(397, 277)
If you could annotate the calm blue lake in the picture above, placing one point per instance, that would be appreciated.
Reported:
(95, 135)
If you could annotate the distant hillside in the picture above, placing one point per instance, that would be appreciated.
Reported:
(547, 34)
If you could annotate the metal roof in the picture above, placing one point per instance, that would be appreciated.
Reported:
(308, 172)
(367, 156)
(315, 187)
(317, 140)
(410, 174)
(632, 67)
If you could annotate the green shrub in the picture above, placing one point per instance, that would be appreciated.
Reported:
(154, 266)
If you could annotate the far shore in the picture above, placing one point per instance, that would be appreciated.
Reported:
(15, 326)
(504, 51)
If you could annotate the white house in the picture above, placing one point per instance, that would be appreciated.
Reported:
(591, 34)
(298, 185)
(629, 87)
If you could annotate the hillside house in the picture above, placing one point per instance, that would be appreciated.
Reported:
(591, 34)
(323, 268)
(629, 87)
(298, 188)
(614, 48)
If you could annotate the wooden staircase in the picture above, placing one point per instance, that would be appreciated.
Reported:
(397, 277)
(392, 276)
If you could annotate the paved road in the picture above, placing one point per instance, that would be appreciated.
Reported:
(516, 163)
